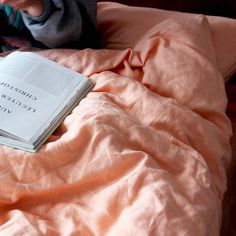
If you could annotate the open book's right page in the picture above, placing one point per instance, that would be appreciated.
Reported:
(31, 91)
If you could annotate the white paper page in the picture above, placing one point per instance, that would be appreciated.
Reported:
(30, 91)
(22, 115)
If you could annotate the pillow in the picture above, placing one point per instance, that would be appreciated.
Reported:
(122, 26)
(223, 37)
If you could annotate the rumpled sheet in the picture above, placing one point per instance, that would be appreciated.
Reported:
(144, 153)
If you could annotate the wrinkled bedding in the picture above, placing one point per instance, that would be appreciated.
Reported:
(145, 153)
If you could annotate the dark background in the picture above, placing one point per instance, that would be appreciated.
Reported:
(210, 7)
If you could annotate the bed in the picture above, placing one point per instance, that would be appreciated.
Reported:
(151, 147)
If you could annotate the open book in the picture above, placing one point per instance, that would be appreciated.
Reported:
(36, 94)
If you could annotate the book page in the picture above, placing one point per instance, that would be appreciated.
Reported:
(31, 90)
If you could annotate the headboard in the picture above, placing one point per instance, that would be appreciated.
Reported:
(209, 7)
